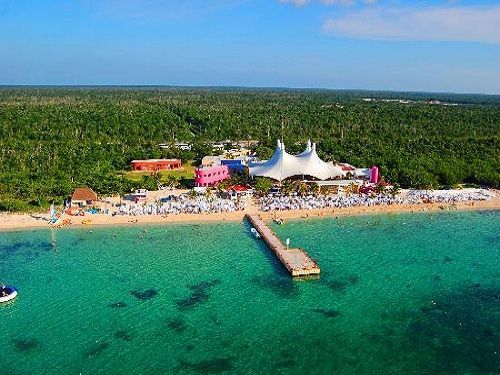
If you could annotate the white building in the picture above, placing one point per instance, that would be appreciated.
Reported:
(283, 165)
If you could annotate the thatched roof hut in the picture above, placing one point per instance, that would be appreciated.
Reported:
(83, 196)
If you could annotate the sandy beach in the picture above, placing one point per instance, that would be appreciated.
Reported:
(10, 221)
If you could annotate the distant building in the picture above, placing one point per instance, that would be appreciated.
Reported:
(210, 160)
(139, 195)
(236, 153)
(235, 166)
(83, 196)
(363, 173)
(248, 144)
(153, 165)
(218, 147)
(434, 101)
(183, 146)
(211, 175)
(238, 191)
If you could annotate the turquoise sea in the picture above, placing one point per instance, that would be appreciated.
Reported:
(398, 294)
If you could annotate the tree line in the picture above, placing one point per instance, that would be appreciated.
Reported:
(54, 139)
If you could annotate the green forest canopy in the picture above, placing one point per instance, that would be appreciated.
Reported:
(54, 139)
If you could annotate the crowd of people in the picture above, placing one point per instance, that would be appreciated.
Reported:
(186, 204)
(310, 202)
(283, 202)
(181, 204)
(447, 196)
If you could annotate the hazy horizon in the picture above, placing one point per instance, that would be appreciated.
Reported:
(437, 46)
(237, 87)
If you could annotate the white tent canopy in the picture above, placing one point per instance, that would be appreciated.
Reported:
(282, 165)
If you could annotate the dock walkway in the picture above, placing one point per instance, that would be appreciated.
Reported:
(295, 260)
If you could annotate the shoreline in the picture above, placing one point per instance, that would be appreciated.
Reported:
(493, 204)
(12, 222)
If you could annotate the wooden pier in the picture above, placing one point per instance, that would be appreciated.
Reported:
(296, 261)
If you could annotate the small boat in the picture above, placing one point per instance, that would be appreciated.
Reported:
(255, 233)
(278, 221)
(7, 293)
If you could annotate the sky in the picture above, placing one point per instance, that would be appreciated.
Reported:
(437, 45)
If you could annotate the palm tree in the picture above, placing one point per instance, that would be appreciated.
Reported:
(221, 187)
(208, 193)
(302, 188)
(171, 182)
(315, 189)
(287, 187)
(394, 190)
(352, 188)
(324, 190)
(224, 184)
(379, 189)
(262, 185)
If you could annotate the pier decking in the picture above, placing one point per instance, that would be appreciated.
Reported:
(295, 260)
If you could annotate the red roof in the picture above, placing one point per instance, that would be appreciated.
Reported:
(238, 188)
(156, 161)
(348, 168)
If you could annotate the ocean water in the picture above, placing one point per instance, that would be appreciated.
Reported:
(398, 294)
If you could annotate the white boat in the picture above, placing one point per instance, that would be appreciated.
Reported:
(7, 293)
(255, 233)
(278, 221)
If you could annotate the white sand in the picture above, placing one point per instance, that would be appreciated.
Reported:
(24, 221)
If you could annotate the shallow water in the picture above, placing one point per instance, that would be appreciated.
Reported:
(398, 294)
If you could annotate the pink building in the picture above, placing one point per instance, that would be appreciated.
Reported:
(211, 175)
(374, 175)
